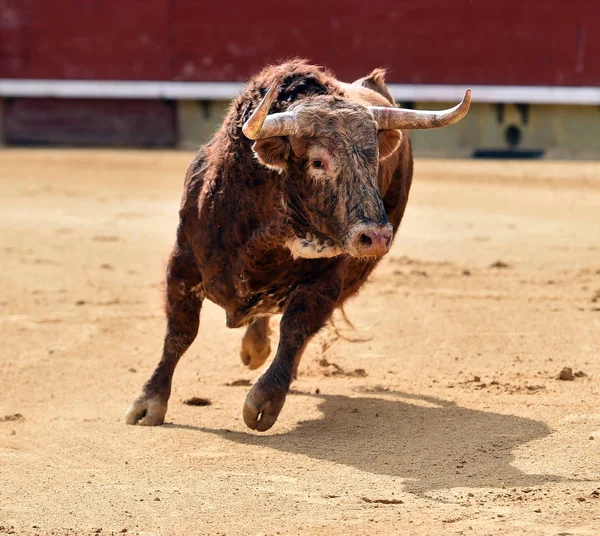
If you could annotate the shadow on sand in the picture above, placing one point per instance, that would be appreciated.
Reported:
(432, 443)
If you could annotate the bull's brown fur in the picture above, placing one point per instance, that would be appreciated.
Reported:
(237, 211)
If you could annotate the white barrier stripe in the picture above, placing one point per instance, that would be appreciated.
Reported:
(498, 94)
(120, 89)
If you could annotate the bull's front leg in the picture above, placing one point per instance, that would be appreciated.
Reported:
(183, 303)
(307, 311)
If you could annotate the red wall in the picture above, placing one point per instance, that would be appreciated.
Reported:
(522, 42)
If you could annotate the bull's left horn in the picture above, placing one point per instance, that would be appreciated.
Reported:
(261, 125)
(399, 118)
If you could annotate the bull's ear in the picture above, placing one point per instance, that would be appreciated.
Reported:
(376, 82)
(272, 152)
(389, 141)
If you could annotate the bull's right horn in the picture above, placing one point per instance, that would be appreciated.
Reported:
(261, 125)
(399, 118)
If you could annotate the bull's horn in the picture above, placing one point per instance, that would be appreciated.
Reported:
(398, 118)
(261, 125)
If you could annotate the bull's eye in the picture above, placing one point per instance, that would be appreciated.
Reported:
(317, 164)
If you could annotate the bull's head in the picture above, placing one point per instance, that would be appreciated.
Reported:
(329, 149)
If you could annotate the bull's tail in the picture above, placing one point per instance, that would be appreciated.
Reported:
(350, 325)
(346, 319)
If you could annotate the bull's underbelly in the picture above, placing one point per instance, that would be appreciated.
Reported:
(242, 310)
(267, 294)
(246, 314)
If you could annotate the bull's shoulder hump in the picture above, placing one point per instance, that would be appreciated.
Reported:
(364, 95)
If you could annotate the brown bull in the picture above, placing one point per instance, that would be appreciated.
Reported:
(287, 210)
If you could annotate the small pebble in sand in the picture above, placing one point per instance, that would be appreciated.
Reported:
(566, 374)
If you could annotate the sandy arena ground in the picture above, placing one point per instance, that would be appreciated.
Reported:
(441, 414)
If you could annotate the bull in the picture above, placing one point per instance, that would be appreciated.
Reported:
(286, 210)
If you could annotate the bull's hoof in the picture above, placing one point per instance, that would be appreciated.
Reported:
(254, 356)
(262, 407)
(147, 410)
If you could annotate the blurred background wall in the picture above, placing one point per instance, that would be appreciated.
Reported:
(160, 72)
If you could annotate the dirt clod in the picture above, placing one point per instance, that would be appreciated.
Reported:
(566, 374)
(197, 401)
(15, 417)
(239, 383)
(333, 369)
(382, 501)
(500, 265)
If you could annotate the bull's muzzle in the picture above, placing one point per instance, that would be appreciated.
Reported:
(370, 240)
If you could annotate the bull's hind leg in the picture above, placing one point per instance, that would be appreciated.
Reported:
(307, 312)
(256, 344)
(183, 303)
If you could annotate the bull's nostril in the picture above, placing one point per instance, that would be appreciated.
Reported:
(365, 241)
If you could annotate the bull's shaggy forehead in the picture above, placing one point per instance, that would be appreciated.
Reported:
(338, 118)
